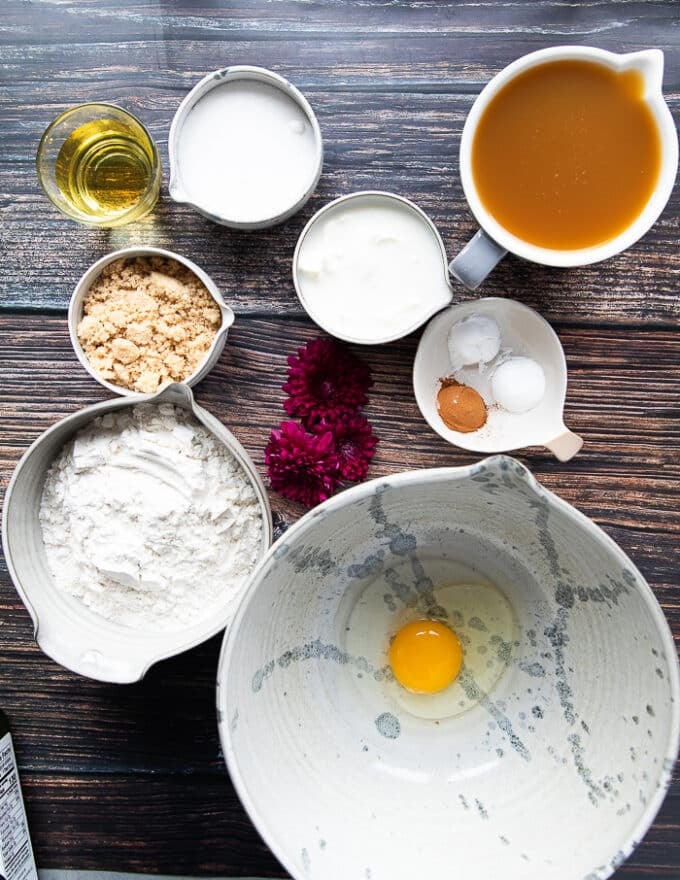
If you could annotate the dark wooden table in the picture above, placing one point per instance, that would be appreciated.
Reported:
(132, 778)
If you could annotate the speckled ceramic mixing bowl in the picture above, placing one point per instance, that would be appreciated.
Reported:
(547, 759)
(66, 630)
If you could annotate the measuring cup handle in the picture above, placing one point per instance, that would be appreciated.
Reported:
(479, 256)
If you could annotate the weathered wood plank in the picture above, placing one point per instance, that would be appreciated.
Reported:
(363, 60)
(115, 823)
(624, 393)
(88, 21)
(402, 142)
(145, 58)
(623, 396)
(177, 825)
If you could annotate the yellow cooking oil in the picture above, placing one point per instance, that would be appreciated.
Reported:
(106, 170)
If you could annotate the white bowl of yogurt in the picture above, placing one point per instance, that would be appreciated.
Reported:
(371, 267)
(245, 148)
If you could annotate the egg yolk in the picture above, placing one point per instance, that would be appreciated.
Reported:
(425, 656)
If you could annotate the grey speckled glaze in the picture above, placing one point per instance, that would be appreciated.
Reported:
(388, 725)
(573, 692)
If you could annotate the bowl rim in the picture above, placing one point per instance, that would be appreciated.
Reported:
(91, 274)
(499, 463)
(466, 441)
(211, 626)
(213, 80)
(385, 197)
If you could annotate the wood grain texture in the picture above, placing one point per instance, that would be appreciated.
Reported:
(110, 739)
(53, 23)
(391, 84)
(133, 778)
(406, 143)
(111, 822)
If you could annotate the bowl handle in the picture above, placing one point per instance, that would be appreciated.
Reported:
(479, 257)
(93, 662)
(565, 445)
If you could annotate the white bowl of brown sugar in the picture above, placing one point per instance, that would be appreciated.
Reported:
(142, 318)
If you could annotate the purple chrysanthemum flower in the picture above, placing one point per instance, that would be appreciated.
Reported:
(325, 381)
(302, 467)
(355, 444)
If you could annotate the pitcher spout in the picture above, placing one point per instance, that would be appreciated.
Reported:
(649, 62)
(175, 189)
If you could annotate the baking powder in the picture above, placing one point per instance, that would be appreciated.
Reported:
(149, 520)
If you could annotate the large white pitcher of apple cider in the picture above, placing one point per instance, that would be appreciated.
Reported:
(567, 157)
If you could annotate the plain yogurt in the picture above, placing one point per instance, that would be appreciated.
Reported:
(246, 152)
(370, 269)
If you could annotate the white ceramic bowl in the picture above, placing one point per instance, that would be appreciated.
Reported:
(554, 772)
(524, 333)
(75, 313)
(66, 630)
(212, 81)
(373, 332)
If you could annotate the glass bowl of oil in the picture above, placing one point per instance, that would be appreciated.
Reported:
(99, 165)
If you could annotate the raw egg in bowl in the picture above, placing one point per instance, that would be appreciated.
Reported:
(449, 667)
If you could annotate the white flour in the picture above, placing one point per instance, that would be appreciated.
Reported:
(148, 520)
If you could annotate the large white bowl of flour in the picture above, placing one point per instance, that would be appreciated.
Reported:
(130, 529)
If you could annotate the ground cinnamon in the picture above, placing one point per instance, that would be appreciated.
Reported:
(460, 407)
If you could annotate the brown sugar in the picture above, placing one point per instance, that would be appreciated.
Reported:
(147, 321)
(460, 407)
